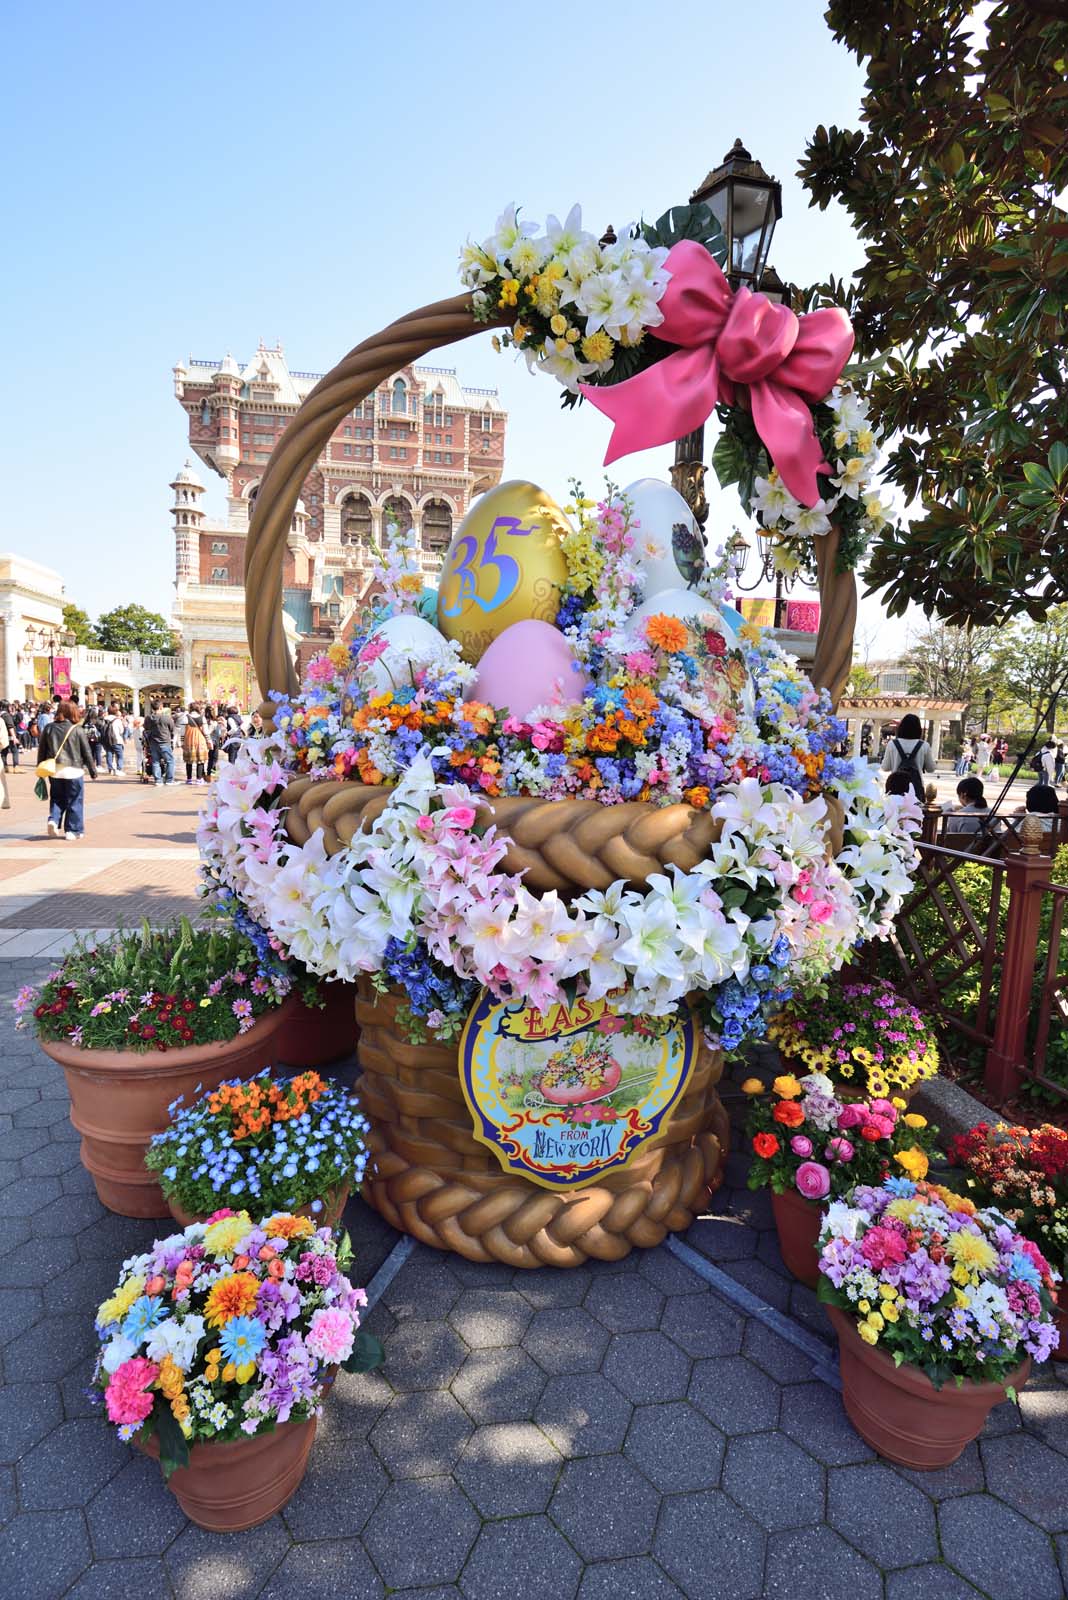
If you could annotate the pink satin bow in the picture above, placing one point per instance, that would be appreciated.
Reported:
(731, 336)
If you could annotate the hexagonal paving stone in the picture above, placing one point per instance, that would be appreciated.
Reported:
(625, 1303)
(523, 1555)
(637, 1578)
(508, 1469)
(1004, 1418)
(711, 1548)
(605, 1507)
(19, 1309)
(69, 1466)
(734, 1394)
(51, 1349)
(343, 1484)
(584, 1415)
(888, 1520)
(421, 1435)
(781, 1360)
(647, 1367)
(703, 1325)
(28, 1411)
(421, 1532)
(760, 1280)
(566, 1339)
(424, 1287)
(424, 1355)
(488, 1317)
(42, 1552)
(499, 1385)
(816, 1561)
(224, 1566)
(51, 1158)
(928, 1583)
(9, 1500)
(670, 1275)
(30, 1267)
(134, 1514)
(722, 1238)
(813, 1416)
(1045, 1412)
(546, 1287)
(963, 1476)
(356, 1401)
(675, 1447)
(80, 1288)
(993, 1547)
(1029, 1476)
(123, 1580)
(774, 1480)
(323, 1572)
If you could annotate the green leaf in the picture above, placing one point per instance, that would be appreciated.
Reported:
(173, 1446)
(1058, 461)
(696, 221)
(367, 1353)
(1037, 475)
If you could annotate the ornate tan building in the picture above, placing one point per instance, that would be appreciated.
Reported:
(418, 451)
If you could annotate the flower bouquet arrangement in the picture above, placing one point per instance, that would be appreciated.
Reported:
(267, 1144)
(862, 1034)
(156, 989)
(808, 1145)
(939, 1308)
(221, 1334)
(1024, 1172)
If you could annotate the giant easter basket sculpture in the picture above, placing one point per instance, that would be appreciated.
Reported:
(431, 1178)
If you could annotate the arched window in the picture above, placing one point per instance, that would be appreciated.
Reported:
(356, 520)
(399, 511)
(205, 415)
(400, 397)
(437, 527)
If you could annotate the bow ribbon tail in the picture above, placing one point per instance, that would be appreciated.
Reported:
(784, 422)
(661, 404)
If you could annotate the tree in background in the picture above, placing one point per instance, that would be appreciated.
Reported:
(961, 299)
(76, 621)
(1030, 663)
(135, 628)
(948, 663)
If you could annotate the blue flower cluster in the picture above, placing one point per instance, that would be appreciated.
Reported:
(428, 985)
(743, 1008)
(292, 1162)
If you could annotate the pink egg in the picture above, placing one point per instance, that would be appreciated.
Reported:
(529, 664)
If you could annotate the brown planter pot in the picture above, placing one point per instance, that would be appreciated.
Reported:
(119, 1099)
(1060, 1350)
(898, 1410)
(798, 1223)
(239, 1483)
(317, 1035)
(334, 1204)
(429, 1177)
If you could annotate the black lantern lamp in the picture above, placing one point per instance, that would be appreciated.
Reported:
(747, 203)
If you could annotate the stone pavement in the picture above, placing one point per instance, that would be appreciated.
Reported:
(666, 1426)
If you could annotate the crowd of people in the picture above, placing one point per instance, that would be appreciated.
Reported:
(74, 742)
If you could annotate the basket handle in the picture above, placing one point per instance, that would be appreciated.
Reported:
(350, 382)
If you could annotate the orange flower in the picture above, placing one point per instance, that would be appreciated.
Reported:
(789, 1113)
(766, 1145)
(698, 796)
(667, 633)
(285, 1226)
(229, 1297)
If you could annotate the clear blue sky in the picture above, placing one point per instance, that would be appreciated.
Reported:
(185, 180)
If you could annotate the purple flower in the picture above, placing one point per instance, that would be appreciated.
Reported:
(813, 1180)
(801, 1145)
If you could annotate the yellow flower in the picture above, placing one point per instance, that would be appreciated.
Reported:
(865, 440)
(914, 1162)
(864, 1305)
(898, 1103)
(971, 1250)
(914, 1120)
(598, 346)
(752, 1086)
(903, 1210)
(116, 1307)
(519, 332)
(205, 1002)
(787, 1087)
(339, 655)
(749, 632)
(960, 1274)
(229, 1372)
(891, 1313)
(245, 1371)
(876, 1321)
(558, 323)
(887, 1291)
(222, 1238)
(859, 1053)
(869, 1334)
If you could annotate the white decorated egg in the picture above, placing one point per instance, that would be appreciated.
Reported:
(669, 547)
(411, 643)
(723, 680)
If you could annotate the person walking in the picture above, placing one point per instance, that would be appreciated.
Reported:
(960, 766)
(137, 740)
(159, 743)
(11, 748)
(114, 739)
(195, 747)
(909, 751)
(1048, 762)
(214, 733)
(1058, 768)
(66, 748)
(5, 802)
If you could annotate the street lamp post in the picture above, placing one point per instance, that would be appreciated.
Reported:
(747, 203)
(738, 551)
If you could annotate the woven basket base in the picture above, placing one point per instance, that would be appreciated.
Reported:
(433, 1180)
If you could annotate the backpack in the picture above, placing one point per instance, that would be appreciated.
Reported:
(907, 765)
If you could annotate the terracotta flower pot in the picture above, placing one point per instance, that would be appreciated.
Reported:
(119, 1099)
(898, 1410)
(234, 1484)
(1060, 1316)
(798, 1223)
(334, 1204)
(316, 1035)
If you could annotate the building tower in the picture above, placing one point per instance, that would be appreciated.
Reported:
(188, 517)
(227, 384)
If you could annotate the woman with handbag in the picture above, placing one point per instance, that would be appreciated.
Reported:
(195, 747)
(5, 802)
(64, 756)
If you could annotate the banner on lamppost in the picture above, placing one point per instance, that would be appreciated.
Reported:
(228, 679)
(42, 682)
(61, 683)
(761, 613)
